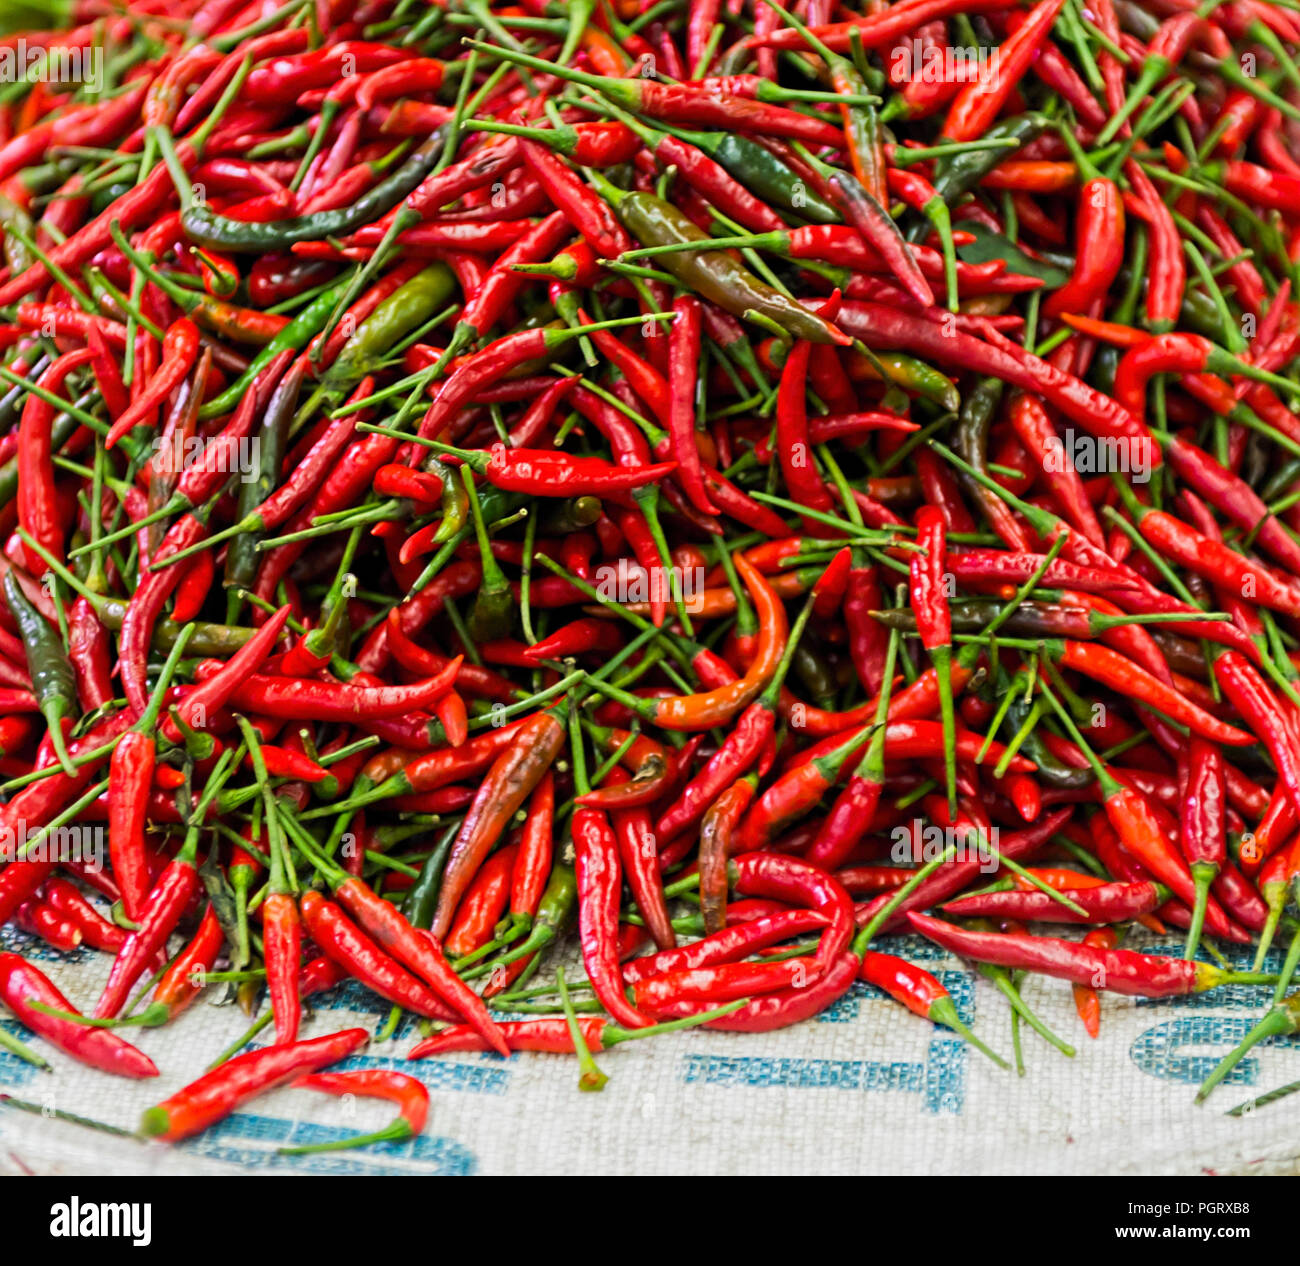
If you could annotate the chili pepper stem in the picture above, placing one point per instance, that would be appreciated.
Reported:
(1261, 1101)
(239, 1043)
(24, 1052)
(613, 1034)
(863, 939)
(396, 1131)
(1288, 968)
(1023, 1010)
(590, 1077)
(944, 1011)
(1276, 1023)
(59, 1114)
(1017, 1047)
(1203, 873)
(150, 1017)
(1266, 936)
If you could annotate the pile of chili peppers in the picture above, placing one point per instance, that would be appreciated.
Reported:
(723, 477)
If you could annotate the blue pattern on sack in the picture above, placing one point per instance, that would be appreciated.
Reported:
(15, 1071)
(1159, 1051)
(945, 1076)
(765, 1072)
(16, 941)
(940, 1081)
(246, 1139)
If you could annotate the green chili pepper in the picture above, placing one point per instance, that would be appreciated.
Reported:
(406, 309)
(554, 913)
(815, 674)
(761, 172)
(242, 555)
(561, 518)
(919, 378)
(422, 899)
(455, 500)
(961, 173)
(1051, 770)
(977, 411)
(205, 227)
(712, 274)
(490, 616)
(294, 335)
(53, 681)
(17, 255)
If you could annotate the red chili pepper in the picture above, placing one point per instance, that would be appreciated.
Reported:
(829, 591)
(38, 507)
(346, 945)
(544, 473)
(798, 465)
(21, 985)
(282, 950)
(171, 894)
(1107, 903)
(711, 986)
(131, 771)
(1111, 668)
(979, 103)
(717, 832)
(418, 950)
(785, 1006)
(55, 929)
(483, 904)
(302, 700)
(88, 651)
(920, 992)
(180, 347)
(928, 582)
(1252, 698)
(599, 874)
(1122, 971)
(370, 1083)
(513, 776)
(684, 356)
(585, 210)
(1097, 413)
(218, 1093)
(878, 29)
(95, 930)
